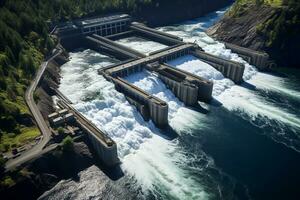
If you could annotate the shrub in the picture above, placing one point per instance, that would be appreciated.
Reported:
(68, 144)
(61, 130)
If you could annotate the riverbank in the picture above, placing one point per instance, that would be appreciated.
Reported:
(270, 26)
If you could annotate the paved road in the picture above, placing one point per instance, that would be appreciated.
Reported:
(44, 129)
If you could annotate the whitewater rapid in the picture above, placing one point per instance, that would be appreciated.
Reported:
(140, 44)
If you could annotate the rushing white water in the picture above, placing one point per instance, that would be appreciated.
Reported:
(142, 45)
(193, 65)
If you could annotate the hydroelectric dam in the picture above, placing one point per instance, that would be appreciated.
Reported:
(103, 34)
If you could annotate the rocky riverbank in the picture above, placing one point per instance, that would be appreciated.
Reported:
(50, 80)
(264, 26)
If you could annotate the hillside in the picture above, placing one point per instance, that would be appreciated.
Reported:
(268, 25)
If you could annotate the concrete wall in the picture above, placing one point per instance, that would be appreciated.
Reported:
(127, 71)
(258, 59)
(186, 87)
(184, 91)
(155, 35)
(104, 146)
(102, 47)
(158, 112)
(145, 103)
(119, 46)
(107, 154)
(229, 69)
(205, 89)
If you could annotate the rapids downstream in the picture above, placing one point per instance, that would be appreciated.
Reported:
(246, 147)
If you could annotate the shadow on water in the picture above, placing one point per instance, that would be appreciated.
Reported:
(248, 86)
(168, 133)
(215, 103)
(198, 108)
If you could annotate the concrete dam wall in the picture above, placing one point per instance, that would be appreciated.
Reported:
(119, 46)
(186, 87)
(104, 146)
(100, 46)
(256, 58)
(155, 35)
(230, 69)
(149, 106)
(138, 64)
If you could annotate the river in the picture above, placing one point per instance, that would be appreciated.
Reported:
(245, 147)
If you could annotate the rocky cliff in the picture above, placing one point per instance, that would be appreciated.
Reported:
(265, 25)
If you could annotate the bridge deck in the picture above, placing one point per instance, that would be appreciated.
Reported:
(148, 59)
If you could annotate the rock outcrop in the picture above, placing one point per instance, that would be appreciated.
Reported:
(264, 27)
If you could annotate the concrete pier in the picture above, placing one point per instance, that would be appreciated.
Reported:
(137, 65)
(149, 106)
(103, 47)
(155, 35)
(187, 87)
(119, 46)
(256, 58)
(104, 146)
(230, 69)
(144, 27)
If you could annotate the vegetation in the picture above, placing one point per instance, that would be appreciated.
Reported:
(12, 140)
(61, 130)
(67, 144)
(281, 31)
(7, 181)
(23, 42)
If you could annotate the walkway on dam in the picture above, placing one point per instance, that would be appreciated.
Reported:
(149, 59)
(83, 121)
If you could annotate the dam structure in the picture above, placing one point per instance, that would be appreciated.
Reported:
(103, 34)
(105, 147)
(257, 58)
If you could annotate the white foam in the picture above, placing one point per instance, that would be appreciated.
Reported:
(195, 66)
(276, 84)
(142, 45)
